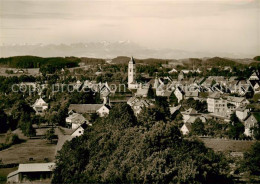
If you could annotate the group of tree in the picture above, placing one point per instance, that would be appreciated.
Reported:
(39, 62)
(236, 128)
(123, 149)
(200, 106)
(251, 161)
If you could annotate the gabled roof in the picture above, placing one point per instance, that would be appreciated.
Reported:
(76, 118)
(190, 111)
(40, 102)
(174, 109)
(36, 167)
(188, 125)
(215, 95)
(235, 99)
(85, 108)
(252, 119)
(173, 70)
(192, 94)
(167, 93)
(83, 126)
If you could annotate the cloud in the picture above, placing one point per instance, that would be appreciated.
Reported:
(193, 25)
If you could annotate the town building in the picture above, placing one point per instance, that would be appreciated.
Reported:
(75, 120)
(36, 172)
(188, 114)
(79, 130)
(186, 128)
(40, 106)
(251, 122)
(217, 105)
(242, 113)
(101, 109)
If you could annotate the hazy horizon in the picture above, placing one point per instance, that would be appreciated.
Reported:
(224, 27)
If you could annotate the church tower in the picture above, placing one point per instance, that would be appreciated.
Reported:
(131, 72)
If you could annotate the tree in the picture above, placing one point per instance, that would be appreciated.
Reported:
(251, 161)
(236, 128)
(198, 128)
(120, 149)
(11, 138)
(162, 108)
(71, 162)
(50, 134)
(3, 122)
(150, 94)
(173, 99)
(30, 131)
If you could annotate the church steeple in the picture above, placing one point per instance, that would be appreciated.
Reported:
(132, 61)
(131, 71)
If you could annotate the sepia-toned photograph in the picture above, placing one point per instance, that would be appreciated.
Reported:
(130, 91)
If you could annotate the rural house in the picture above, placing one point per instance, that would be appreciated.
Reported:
(40, 106)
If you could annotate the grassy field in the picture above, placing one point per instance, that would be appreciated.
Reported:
(4, 172)
(38, 149)
(227, 145)
(2, 138)
(29, 71)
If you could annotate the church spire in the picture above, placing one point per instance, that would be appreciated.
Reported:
(132, 61)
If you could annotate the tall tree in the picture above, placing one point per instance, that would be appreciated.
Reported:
(3, 122)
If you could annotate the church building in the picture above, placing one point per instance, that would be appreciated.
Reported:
(132, 84)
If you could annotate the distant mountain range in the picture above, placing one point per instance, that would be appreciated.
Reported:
(103, 50)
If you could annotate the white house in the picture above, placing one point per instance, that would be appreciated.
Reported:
(237, 101)
(79, 131)
(250, 122)
(217, 105)
(173, 71)
(186, 128)
(40, 106)
(254, 76)
(100, 109)
(103, 110)
(75, 120)
(242, 113)
(188, 114)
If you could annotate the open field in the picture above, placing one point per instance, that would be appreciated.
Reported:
(28, 71)
(38, 149)
(227, 145)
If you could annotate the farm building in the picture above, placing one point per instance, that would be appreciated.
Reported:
(31, 172)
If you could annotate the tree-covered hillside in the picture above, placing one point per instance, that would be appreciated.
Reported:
(120, 149)
(37, 62)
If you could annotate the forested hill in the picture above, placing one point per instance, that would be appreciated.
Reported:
(37, 62)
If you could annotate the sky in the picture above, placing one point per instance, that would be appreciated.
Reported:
(191, 25)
